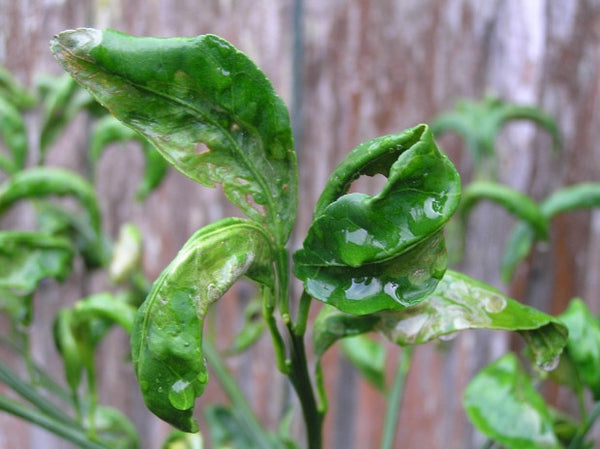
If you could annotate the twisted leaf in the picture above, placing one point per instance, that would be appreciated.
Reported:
(204, 105)
(503, 404)
(367, 253)
(167, 334)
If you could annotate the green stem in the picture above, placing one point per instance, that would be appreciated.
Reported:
(239, 404)
(300, 379)
(303, 309)
(579, 440)
(395, 398)
(31, 395)
(68, 432)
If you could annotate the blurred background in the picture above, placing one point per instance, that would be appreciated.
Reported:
(349, 70)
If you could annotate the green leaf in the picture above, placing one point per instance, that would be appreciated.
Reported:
(515, 202)
(521, 241)
(13, 91)
(167, 335)
(90, 242)
(367, 253)
(578, 196)
(109, 130)
(14, 133)
(479, 122)
(41, 182)
(115, 429)
(368, 357)
(28, 257)
(252, 329)
(204, 105)
(226, 431)
(183, 440)
(503, 404)
(62, 102)
(459, 303)
(67, 345)
(518, 247)
(583, 346)
(332, 325)
(105, 306)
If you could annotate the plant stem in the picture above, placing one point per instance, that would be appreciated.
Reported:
(31, 395)
(302, 318)
(395, 398)
(73, 434)
(579, 440)
(300, 379)
(240, 406)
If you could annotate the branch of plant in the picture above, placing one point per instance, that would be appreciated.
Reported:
(395, 398)
(67, 431)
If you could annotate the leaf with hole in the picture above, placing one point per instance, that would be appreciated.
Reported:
(204, 105)
(368, 253)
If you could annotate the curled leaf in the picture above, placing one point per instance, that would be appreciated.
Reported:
(204, 105)
(368, 253)
(459, 303)
(167, 334)
(517, 203)
(41, 182)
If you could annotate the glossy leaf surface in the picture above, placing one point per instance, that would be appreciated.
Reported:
(459, 303)
(109, 130)
(515, 202)
(503, 404)
(583, 347)
(332, 325)
(368, 253)
(14, 134)
(167, 335)
(204, 105)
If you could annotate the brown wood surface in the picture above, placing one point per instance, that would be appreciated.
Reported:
(371, 67)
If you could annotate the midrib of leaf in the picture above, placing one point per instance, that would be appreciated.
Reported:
(270, 206)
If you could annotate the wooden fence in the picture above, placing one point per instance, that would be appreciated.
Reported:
(351, 70)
